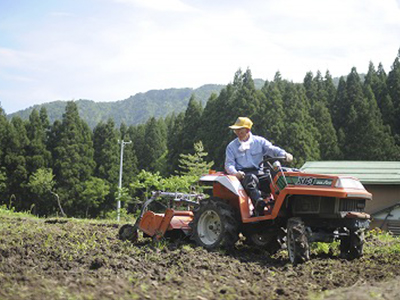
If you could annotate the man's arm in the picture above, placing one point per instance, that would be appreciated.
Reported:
(230, 164)
(271, 150)
(230, 167)
(274, 151)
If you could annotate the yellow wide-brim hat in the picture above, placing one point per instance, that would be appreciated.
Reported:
(242, 122)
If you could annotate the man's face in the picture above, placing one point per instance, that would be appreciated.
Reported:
(242, 133)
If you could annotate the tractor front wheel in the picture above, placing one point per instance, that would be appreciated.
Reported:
(215, 224)
(297, 241)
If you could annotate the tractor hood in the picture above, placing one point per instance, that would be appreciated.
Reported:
(348, 185)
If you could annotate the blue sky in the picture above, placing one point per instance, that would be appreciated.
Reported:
(107, 50)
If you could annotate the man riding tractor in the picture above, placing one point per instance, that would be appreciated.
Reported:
(244, 157)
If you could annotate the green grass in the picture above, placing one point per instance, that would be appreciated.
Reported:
(109, 220)
(5, 211)
(380, 242)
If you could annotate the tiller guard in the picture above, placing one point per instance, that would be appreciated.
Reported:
(156, 225)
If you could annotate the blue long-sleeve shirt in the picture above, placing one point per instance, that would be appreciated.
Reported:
(236, 160)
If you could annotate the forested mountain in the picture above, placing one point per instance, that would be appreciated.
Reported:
(314, 120)
(135, 110)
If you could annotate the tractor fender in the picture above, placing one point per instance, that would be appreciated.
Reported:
(228, 181)
(229, 188)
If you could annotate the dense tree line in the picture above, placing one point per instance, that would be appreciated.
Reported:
(66, 166)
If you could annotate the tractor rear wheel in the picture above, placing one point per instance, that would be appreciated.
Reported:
(215, 224)
(351, 247)
(297, 241)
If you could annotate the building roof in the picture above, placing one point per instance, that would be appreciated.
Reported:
(387, 210)
(368, 172)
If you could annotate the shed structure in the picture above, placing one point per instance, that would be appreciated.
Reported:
(381, 178)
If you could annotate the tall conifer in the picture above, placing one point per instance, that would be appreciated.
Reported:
(318, 98)
(137, 134)
(106, 154)
(37, 154)
(155, 145)
(3, 131)
(393, 84)
(300, 131)
(271, 119)
(366, 138)
(15, 143)
(174, 143)
(73, 159)
(214, 129)
(191, 125)
(330, 90)
(377, 81)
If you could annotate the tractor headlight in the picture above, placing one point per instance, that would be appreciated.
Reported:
(349, 183)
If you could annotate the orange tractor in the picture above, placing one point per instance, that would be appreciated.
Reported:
(300, 209)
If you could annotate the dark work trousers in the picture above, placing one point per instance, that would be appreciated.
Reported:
(254, 182)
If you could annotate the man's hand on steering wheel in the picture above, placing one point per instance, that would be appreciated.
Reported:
(239, 175)
(289, 157)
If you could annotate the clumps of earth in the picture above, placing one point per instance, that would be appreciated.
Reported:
(70, 259)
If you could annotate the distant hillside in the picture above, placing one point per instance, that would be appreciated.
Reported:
(136, 109)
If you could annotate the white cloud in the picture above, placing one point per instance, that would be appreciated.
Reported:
(14, 58)
(161, 5)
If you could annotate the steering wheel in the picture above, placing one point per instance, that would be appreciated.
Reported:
(269, 161)
(273, 159)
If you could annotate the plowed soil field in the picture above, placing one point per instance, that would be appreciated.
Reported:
(70, 259)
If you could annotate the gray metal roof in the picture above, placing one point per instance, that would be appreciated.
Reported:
(368, 172)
